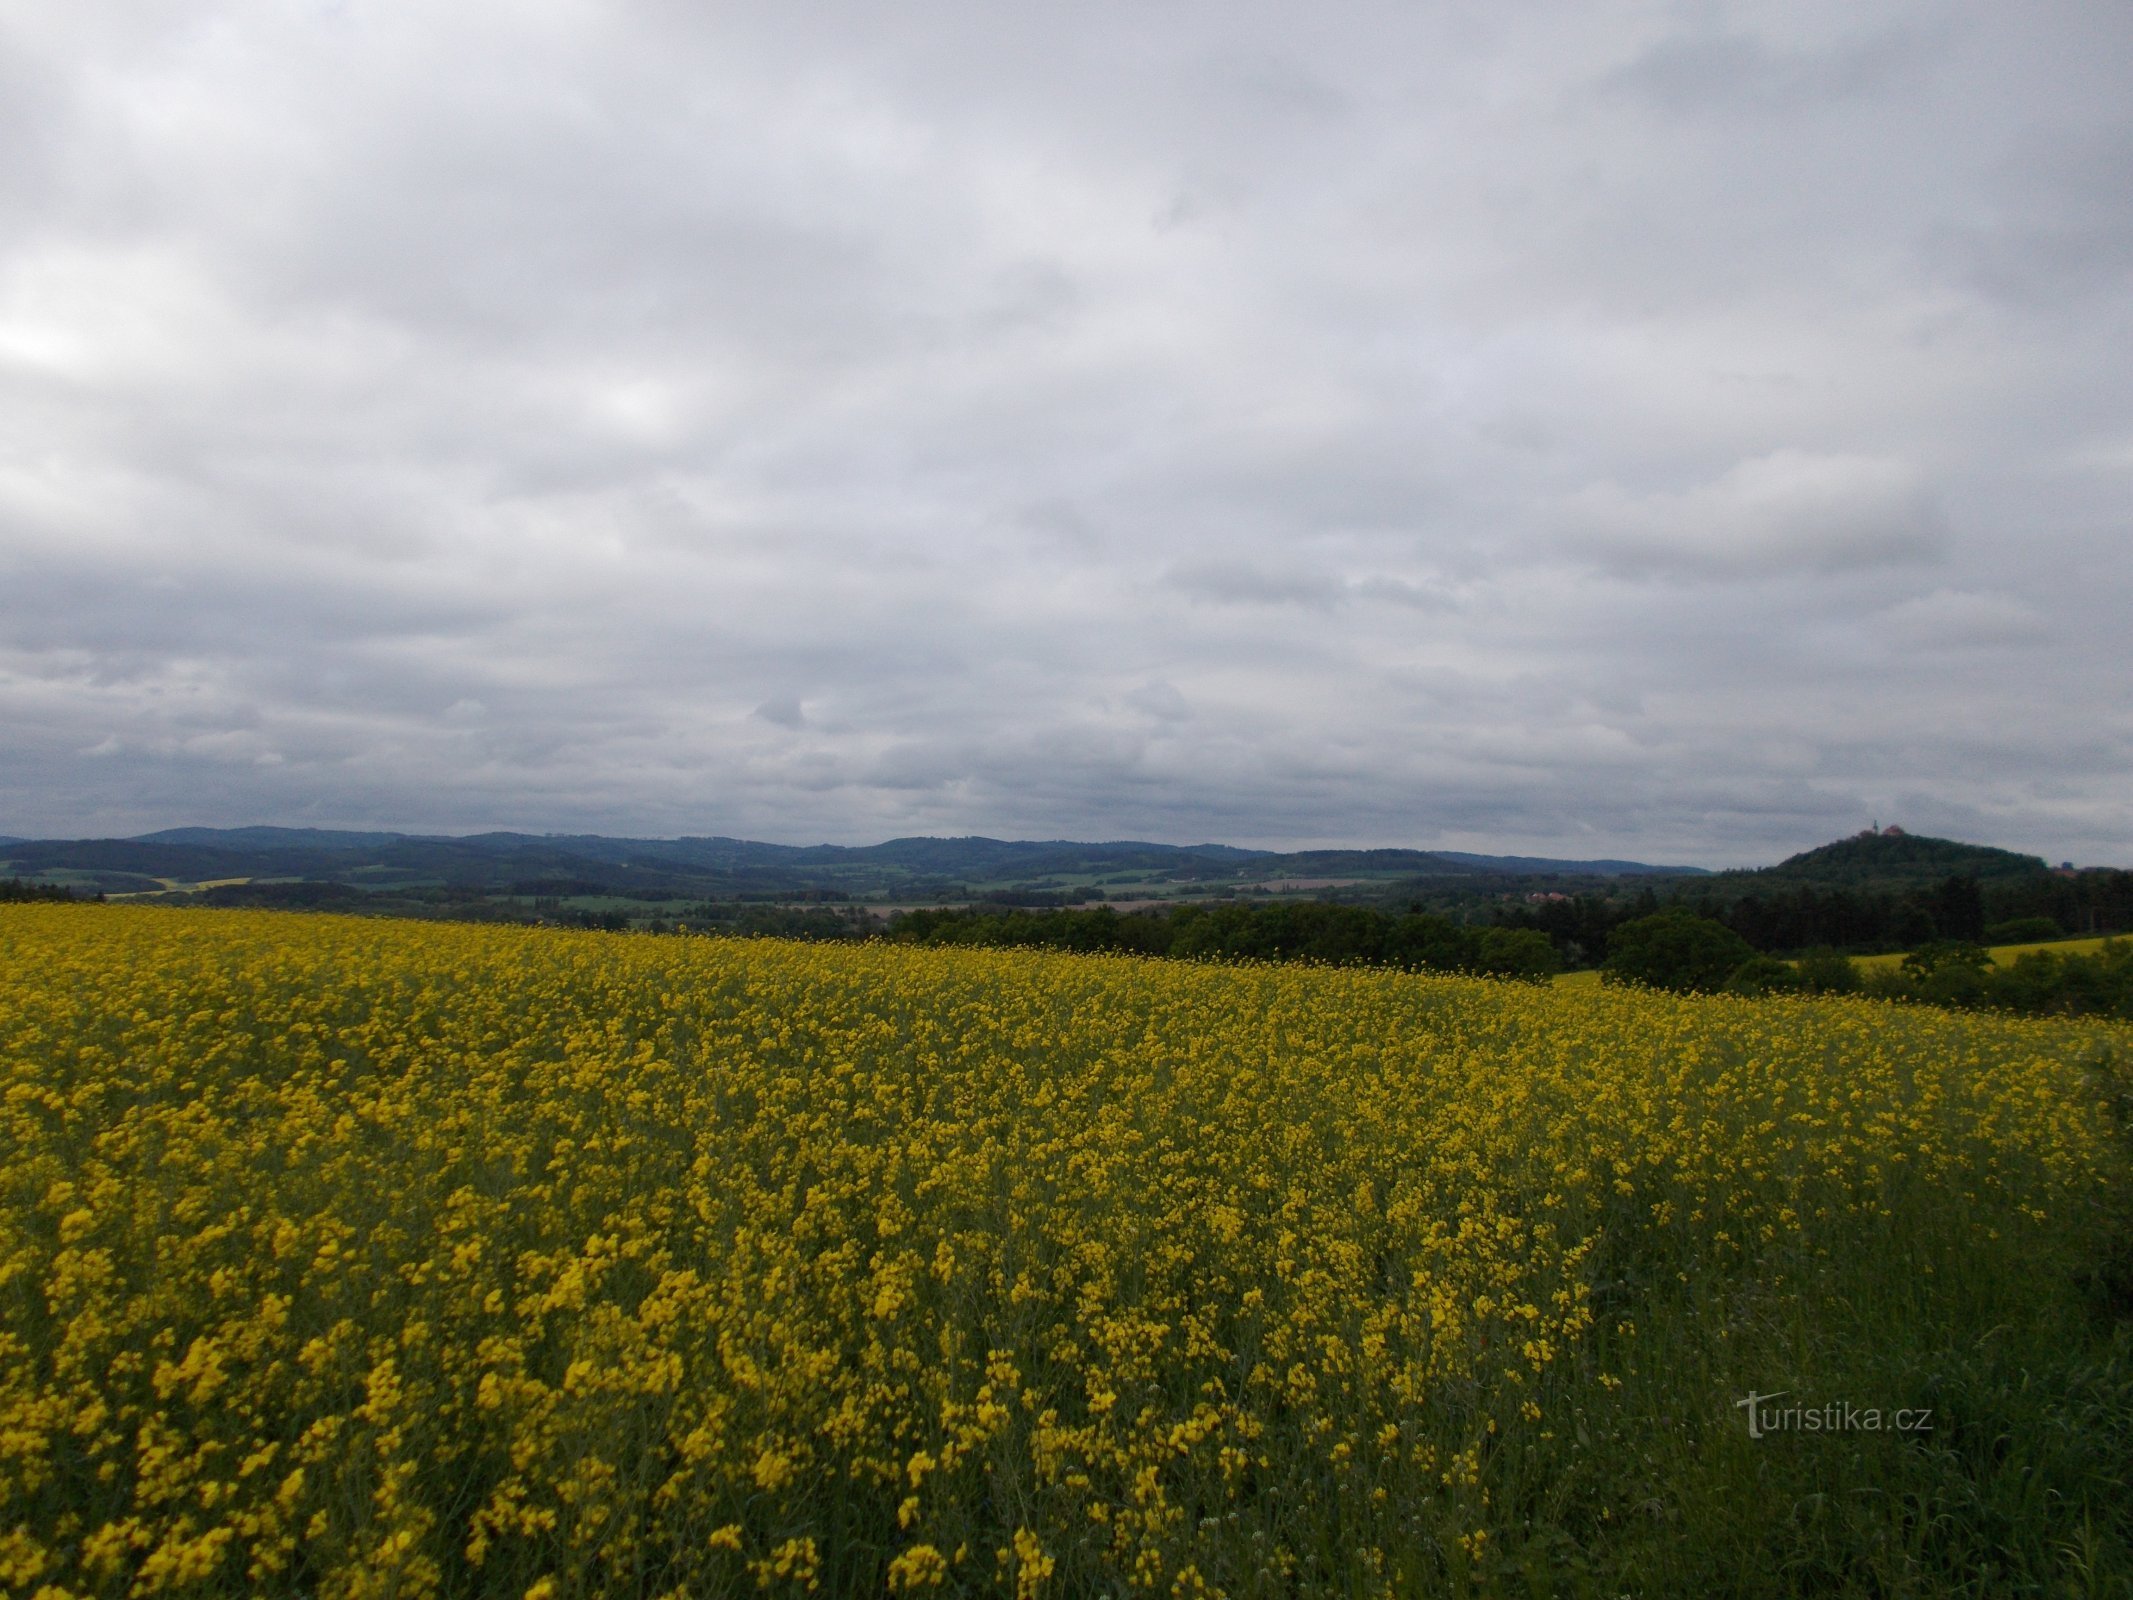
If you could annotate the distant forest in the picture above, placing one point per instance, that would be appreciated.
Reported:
(1778, 918)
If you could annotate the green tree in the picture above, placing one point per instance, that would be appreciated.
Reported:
(1517, 953)
(1761, 975)
(1947, 972)
(2024, 930)
(1674, 949)
(1826, 971)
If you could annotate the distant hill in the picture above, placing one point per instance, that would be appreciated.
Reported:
(1359, 863)
(1538, 866)
(1894, 860)
(920, 869)
(265, 838)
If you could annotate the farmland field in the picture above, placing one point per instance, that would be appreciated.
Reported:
(2003, 955)
(352, 1257)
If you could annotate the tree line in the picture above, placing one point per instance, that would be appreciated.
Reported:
(21, 890)
(1862, 921)
(1347, 935)
(1674, 947)
(1678, 949)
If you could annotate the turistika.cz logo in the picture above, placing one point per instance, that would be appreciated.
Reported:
(1833, 1416)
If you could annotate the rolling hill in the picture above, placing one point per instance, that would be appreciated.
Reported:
(717, 867)
(1894, 860)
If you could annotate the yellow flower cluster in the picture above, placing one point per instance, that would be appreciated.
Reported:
(350, 1257)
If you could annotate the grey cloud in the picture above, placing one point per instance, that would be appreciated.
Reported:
(1790, 509)
(782, 712)
(1161, 700)
(1958, 619)
(1728, 71)
(1402, 592)
(1242, 583)
(1600, 432)
(2062, 237)
(1061, 523)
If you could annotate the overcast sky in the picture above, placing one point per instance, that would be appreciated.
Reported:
(1687, 431)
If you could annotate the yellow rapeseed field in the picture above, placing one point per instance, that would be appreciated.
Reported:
(353, 1257)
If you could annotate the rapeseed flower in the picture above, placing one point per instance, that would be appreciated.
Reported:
(351, 1256)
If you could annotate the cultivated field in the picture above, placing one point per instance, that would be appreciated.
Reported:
(2003, 955)
(354, 1257)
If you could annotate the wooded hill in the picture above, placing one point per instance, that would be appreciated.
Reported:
(1891, 861)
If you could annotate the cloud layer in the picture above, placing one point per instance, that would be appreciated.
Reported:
(1678, 431)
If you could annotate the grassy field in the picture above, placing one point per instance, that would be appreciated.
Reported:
(351, 1257)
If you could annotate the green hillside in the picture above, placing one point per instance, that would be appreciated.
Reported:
(1896, 860)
